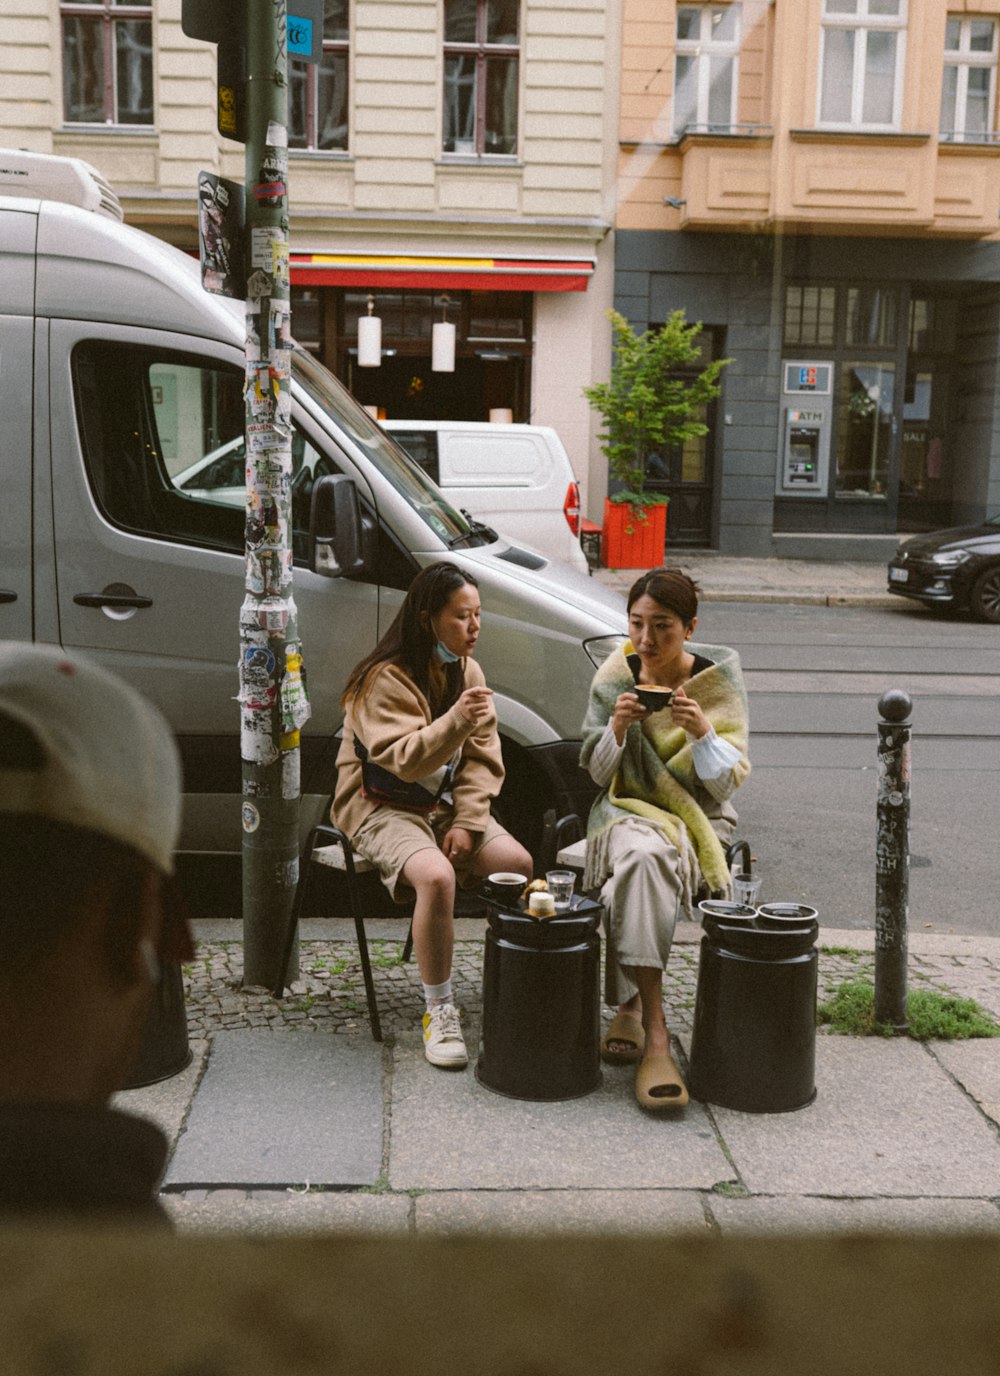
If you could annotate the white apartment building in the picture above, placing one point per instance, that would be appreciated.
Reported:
(449, 159)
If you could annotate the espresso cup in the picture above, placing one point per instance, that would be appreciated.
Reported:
(506, 886)
(652, 697)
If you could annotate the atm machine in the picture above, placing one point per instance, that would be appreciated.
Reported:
(806, 412)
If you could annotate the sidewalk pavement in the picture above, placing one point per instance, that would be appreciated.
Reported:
(806, 582)
(291, 1118)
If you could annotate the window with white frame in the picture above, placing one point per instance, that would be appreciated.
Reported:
(861, 84)
(317, 92)
(107, 51)
(968, 88)
(481, 61)
(706, 58)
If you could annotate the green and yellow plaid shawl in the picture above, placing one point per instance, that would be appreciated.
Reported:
(656, 778)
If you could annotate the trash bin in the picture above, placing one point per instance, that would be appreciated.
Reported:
(164, 1050)
(541, 1028)
(753, 1046)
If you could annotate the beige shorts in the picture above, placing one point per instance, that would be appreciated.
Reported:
(388, 838)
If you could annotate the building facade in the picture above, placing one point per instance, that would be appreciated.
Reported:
(818, 183)
(448, 160)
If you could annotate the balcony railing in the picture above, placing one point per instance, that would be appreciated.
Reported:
(974, 138)
(726, 130)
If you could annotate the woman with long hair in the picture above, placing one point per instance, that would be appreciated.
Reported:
(657, 831)
(418, 768)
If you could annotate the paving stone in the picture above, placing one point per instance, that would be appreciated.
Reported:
(168, 1101)
(291, 1212)
(283, 1109)
(975, 1064)
(560, 1211)
(861, 1135)
(448, 1131)
(796, 1213)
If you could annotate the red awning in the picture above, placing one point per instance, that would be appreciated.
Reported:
(428, 273)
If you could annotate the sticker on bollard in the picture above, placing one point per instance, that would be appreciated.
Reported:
(541, 1003)
(753, 1046)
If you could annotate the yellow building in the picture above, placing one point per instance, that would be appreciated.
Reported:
(451, 159)
(818, 182)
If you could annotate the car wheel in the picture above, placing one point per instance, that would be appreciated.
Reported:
(985, 596)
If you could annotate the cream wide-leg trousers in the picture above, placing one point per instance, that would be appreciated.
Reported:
(642, 898)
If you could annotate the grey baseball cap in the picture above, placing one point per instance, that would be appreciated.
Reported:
(102, 757)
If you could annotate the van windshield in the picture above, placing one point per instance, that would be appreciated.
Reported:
(395, 465)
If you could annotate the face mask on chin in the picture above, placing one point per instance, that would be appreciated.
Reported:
(445, 655)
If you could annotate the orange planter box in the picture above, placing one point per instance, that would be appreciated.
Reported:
(630, 542)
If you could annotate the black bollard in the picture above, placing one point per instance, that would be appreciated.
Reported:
(892, 859)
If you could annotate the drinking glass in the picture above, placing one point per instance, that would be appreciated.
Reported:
(561, 884)
(746, 889)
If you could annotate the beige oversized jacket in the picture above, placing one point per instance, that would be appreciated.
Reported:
(393, 719)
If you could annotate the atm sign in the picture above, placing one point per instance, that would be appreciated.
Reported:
(801, 376)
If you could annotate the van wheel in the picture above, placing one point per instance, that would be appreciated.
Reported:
(985, 597)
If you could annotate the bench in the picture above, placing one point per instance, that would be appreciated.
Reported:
(572, 857)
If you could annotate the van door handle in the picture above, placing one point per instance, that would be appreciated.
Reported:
(111, 599)
(6, 596)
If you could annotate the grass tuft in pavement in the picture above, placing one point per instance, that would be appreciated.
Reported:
(851, 1011)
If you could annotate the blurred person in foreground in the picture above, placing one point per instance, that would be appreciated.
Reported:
(657, 832)
(90, 800)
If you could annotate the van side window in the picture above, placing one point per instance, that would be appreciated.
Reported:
(422, 446)
(164, 446)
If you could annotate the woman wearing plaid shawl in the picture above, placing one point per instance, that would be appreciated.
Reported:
(657, 832)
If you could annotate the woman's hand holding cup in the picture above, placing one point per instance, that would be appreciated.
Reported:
(688, 714)
(475, 705)
(628, 709)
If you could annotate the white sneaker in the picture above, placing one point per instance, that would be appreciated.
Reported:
(443, 1041)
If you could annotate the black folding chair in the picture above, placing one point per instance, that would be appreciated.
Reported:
(329, 847)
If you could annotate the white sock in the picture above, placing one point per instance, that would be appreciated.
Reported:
(437, 993)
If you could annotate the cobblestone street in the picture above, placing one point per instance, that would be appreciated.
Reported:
(330, 995)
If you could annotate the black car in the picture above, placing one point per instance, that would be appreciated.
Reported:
(958, 569)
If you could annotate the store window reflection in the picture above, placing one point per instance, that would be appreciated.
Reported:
(867, 394)
(921, 467)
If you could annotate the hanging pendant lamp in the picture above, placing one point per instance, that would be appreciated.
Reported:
(369, 338)
(443, 343)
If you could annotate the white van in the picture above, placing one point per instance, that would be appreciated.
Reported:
(118, 375)
(515, 477)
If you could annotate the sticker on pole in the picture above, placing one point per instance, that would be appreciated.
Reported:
(221, 219)
(304, 30)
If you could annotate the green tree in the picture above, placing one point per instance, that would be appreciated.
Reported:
(646, 406)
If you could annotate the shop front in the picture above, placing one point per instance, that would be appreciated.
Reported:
(425, 338)
(867, 432)
(860, 403)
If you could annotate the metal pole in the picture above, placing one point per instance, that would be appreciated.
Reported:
(273, 702)
(892, 859)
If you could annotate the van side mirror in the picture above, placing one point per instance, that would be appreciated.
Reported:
(335, 542)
